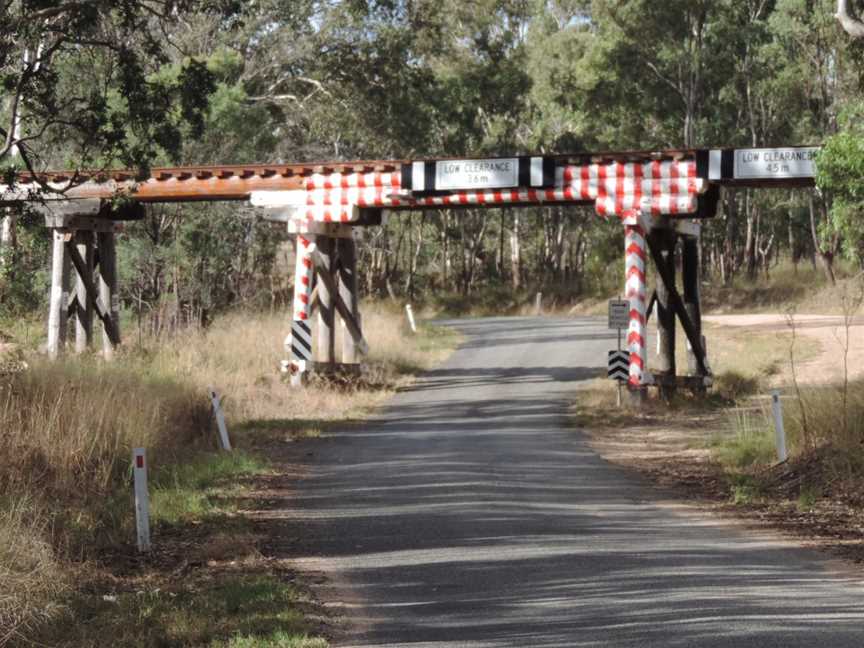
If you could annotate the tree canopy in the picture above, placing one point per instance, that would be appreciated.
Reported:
(134, 83)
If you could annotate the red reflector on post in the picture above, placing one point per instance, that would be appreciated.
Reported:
(139, 461)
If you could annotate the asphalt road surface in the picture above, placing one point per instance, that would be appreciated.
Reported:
(471, 513)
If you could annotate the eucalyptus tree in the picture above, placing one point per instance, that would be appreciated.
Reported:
(78, 92)
(853, 26)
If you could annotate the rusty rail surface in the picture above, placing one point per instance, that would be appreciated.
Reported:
(239, 181)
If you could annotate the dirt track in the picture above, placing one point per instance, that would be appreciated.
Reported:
(828, 331)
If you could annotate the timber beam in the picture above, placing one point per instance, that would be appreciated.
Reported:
(345, 313)
(92, 295)
(677, 304)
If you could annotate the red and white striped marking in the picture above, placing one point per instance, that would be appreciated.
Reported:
(626, 190)
(623, 189)
(390, 180)
(303, 277)
(657, 187)
(635, 289)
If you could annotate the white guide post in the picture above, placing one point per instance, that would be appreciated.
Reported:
(538, 304)
(410, 313)
(779, 430)
(142, 499)
(220, 420)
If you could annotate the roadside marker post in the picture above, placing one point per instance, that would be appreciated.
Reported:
(780, 432)
(220, 420)
(142, 500)
(538, 304)
(410, 313)
(618, 364)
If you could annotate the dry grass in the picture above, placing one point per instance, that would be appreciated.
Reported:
(31, 575)
(829, 418)
(239, 356)
(805, 289)
(67, 430)
(66, 433)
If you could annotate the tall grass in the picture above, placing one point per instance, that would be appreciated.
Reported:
(30, 574)
(67, 430)
(66, 433)
(829, 418)
(239, 355)
(824, 436)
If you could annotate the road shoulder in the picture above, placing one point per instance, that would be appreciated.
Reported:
(674, 450)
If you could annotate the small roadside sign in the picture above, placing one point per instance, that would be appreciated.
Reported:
(618, 367)
(619, 314)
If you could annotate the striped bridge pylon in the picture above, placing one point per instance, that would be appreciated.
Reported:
(301, 340)
(301, 334)
(635, 288)
(656, 187)
(618, 365)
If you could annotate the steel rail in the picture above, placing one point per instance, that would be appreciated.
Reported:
(238, 181)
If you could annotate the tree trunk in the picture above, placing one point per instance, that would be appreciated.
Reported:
(728, 265)
(515, 253)
(750, 241)
(8, 243)
(445, 251)
(500, 260)
(853, 27)
(793, 248)
(412, 264)
(826, 256)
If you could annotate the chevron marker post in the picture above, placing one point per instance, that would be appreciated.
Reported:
(301, 331)
(635, 256)
(618, 366)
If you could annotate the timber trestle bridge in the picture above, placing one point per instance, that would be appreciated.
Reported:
(658, 196)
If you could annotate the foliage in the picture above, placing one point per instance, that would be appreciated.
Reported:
(841, 175)
(66, 433)
(80, 89)
(204, 83)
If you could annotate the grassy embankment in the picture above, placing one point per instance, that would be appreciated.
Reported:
(806, 289)
(723, 447)
(70, 573)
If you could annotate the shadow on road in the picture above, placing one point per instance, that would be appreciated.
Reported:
(469, 513)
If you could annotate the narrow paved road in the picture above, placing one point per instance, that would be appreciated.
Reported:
(469, 513)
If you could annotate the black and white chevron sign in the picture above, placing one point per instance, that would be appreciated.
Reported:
(619, 365)
(301, 340)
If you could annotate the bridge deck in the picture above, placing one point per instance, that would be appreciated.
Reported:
(239, 181)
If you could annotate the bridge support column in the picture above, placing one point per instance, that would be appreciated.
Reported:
(665, 239)
(347, 252)
(692, 300)
(82, 237)
(300, 341)
(325, 262)
(635, 289)
(108, 292)
(326, 255)
(58, 313)
(84, 309)
(688, 316)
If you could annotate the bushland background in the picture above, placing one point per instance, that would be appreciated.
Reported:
(205, 289)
